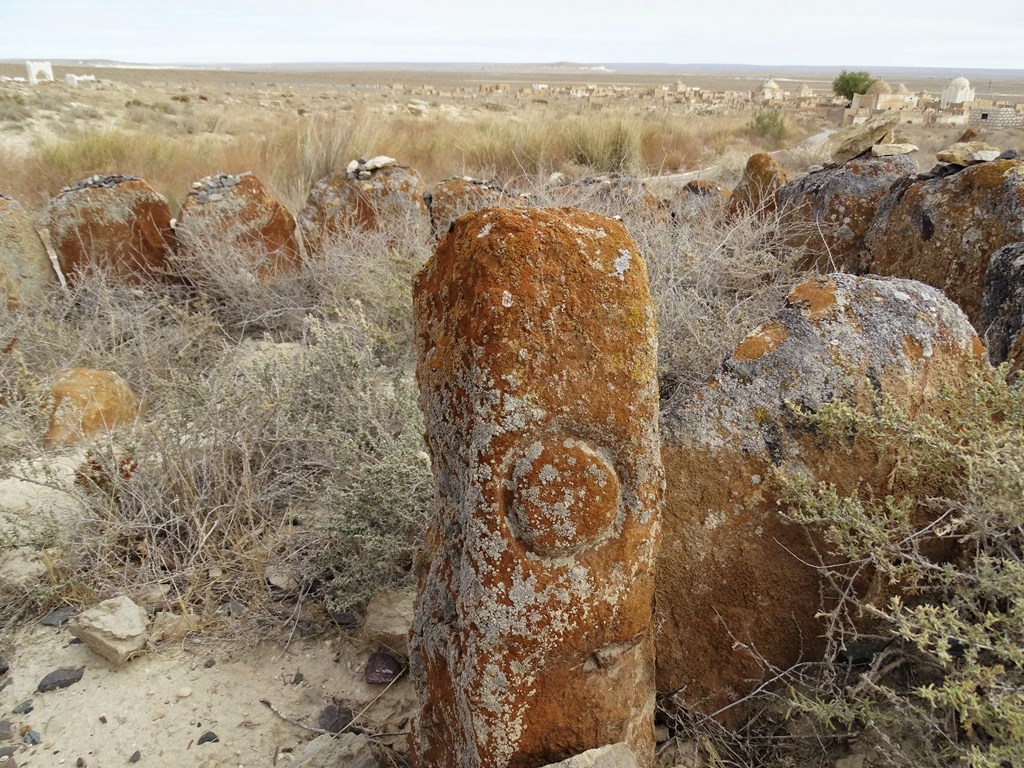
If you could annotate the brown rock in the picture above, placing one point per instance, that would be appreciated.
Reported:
(238, 213)
(1002, 310)
(943, 231)
(735, 578)
(855, 140)
(451, 198)
(25, 269)
(86, 403)
(531, 637)
(755, 193)
(116, 223)
(389, 197)
(828, 213)
(969, 135)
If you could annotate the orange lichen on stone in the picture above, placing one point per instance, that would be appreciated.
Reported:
(944, 231)
(761, 342)
(532, 638)
(391, 196)
(238, 213)
(114, 223)
(755, 193)
(913, 348)
(814, 297)
(86, 403)
(738, 591)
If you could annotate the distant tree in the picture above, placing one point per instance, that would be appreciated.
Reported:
(849, 83)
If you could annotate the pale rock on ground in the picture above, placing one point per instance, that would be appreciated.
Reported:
(612, 756)
(117, 629)
(389, 619)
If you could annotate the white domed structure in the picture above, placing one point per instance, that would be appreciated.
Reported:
(959, 91)
(878, 88)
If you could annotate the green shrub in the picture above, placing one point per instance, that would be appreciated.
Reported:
(945, 549)
(847, 83)
(770, 125)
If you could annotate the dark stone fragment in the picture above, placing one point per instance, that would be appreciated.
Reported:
(136, 756)
(4, 666)
(209, 738)
(24, 708)
(1009, 154)
(33, 738)
(6, 730)
(6, 752)
(208, 663)
(381, 668)
(334, 718)
(60, 678)
(344, 619)
(58, 616)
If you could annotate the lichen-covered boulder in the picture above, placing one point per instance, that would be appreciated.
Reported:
(451, 198)
(827, 213)
(25, 269)
(386, 197)
(737, 586)
(115, 223)
(943, 231)
(532, 639)
(238, 213)
(1002, 308)
(87, 402)
(755, 193)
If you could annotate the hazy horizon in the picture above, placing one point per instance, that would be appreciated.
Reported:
(919, 34)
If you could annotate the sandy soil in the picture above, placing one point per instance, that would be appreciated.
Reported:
(159, 704)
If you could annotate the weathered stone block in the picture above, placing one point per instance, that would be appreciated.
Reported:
(116, 223)
(88, 402)
(385, 197)
(25, 269)
(1002, 309)
(828, 213)
(531, 637)
(737, 586)
(451, 198)
(238, 213)
(755, 192)
(943, 231)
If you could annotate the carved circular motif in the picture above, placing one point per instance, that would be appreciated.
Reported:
(562, 496)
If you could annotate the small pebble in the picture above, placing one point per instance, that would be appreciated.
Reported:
(184, 693)
(24, 708)
(136, 756)
(209, 738)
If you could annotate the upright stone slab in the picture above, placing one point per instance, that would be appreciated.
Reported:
(116, 223)
(532, 637)
(238, 213)
(755, 192)
(386, 197)
(25, 269)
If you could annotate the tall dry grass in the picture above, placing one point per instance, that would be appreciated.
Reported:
(172, 144)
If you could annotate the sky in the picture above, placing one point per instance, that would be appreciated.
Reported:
(908, 33)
